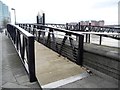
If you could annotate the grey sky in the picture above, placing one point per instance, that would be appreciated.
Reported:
(62, 11)
(105, 3)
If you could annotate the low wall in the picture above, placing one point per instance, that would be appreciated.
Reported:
(103, 59)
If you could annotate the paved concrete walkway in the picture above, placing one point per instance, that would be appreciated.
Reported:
(50, 67)
(13, 74)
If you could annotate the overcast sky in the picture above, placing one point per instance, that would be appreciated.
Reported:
(62, 11)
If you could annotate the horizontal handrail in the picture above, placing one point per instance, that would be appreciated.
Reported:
(24, 32)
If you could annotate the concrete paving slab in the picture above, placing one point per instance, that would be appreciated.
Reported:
(107, 84)
(22, 79)
(11, 64)
(8, 76)
(13, 85)
(51, 68)
(19, 72)
(32, 85)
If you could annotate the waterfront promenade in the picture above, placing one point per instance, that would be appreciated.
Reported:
(15, 76)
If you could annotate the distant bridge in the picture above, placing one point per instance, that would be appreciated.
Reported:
(89, 28)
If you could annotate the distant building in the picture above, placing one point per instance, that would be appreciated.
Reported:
(72, 23)
(86, 23)
(81, 22)
(119, 13)
(101, 23)
(93, 23)
(4, 13)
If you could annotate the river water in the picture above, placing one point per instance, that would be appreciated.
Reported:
(95, 40)
(105, 41)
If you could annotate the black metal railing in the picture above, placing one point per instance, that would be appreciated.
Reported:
(100, 36)
(90, 28)
(109, 32)
(24, 44)
(69, 44)
(64, 44)
(99, 29)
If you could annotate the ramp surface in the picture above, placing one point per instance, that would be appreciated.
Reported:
(52, 68)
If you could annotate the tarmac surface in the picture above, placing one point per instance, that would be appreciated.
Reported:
(14, 75)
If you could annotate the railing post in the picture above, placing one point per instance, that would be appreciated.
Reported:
(27, 26)
(79, 26)
(80, 50)
(89, 29)
(31, 59)
(89, 38)
(67, 26)
(86, 38)
(13, 33)
(29, 29)
(100, 39)
(43, 18)
(23, 26)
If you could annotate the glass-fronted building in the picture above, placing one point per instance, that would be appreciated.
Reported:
(4, 13)
(119, 13)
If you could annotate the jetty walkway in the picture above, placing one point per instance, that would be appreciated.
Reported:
(51, 70)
